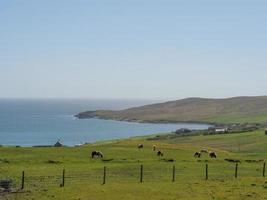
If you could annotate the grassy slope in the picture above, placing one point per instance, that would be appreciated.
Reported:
(232, 110)
(123, 171)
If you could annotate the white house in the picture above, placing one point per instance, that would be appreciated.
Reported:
(221, 130)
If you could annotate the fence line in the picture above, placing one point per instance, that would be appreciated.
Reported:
(207, 172)
(104, 176)
(236, 167)
(152, 173)
(173, 173)
(63, 178)
(263, 169)
(141, 174)
(22, 180)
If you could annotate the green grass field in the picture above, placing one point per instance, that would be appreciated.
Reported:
(84, 176)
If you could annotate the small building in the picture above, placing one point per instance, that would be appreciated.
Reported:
(217, 130)
(58, 144)
(221, 130)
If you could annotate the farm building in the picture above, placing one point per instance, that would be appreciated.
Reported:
(218, 130)
(221, 130)
(58, 144)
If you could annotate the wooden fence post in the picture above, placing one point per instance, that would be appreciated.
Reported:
(63, 178)
(141, 174)
(236, 167)
(22, 180)
(207, 173)
(104, 176)
(263, 170)
(173, 173)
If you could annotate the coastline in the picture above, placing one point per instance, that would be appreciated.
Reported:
(76, 116)
(97, 142)
(110, 138)
(218, 112)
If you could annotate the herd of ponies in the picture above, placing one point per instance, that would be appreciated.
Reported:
(159, 153)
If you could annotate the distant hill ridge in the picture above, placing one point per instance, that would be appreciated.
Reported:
(229, 110)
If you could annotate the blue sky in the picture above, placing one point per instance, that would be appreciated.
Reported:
(143, 49)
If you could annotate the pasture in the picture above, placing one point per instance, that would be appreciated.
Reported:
(84, 176)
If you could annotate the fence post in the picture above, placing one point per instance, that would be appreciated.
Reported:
(22, 180)
(104, 176)
(141, 174)
(63, 178)
(263, 170)
(173, 173)
(207, 174)
(236, 166)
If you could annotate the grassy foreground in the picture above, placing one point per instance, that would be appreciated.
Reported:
(84, 176)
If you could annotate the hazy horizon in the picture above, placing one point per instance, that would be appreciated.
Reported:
(148, 50)
(120, 99)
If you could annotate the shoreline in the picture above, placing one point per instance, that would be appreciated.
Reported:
(107, 140)
(159, 122)
(83, 144)
(150, 121)
(68, 143)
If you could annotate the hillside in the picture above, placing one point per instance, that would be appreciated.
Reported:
(84, 175)
(229, 110)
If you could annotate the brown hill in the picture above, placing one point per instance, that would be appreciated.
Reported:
(229, 110)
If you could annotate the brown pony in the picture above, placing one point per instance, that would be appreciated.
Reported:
(160, 153)
(212, 154)
(97, 154)
(197, 154)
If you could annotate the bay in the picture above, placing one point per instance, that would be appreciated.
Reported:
(28, 122)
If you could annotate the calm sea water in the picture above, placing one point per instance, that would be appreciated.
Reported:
(43, 122)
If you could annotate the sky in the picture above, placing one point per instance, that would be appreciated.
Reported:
(133, 49)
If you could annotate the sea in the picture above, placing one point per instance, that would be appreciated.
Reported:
(33, 122)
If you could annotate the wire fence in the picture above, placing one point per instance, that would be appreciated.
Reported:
(135, 173)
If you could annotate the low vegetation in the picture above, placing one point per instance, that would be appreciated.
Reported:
(84, 176)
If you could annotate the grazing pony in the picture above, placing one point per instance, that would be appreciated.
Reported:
(197, 154)
(140, 146)
(160, 153)
(212, 154)
(97, 154)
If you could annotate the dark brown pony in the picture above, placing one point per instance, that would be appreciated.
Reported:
(212, 154)
(160, 153)
(97, 154)
(140, 146)
(197, 154)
